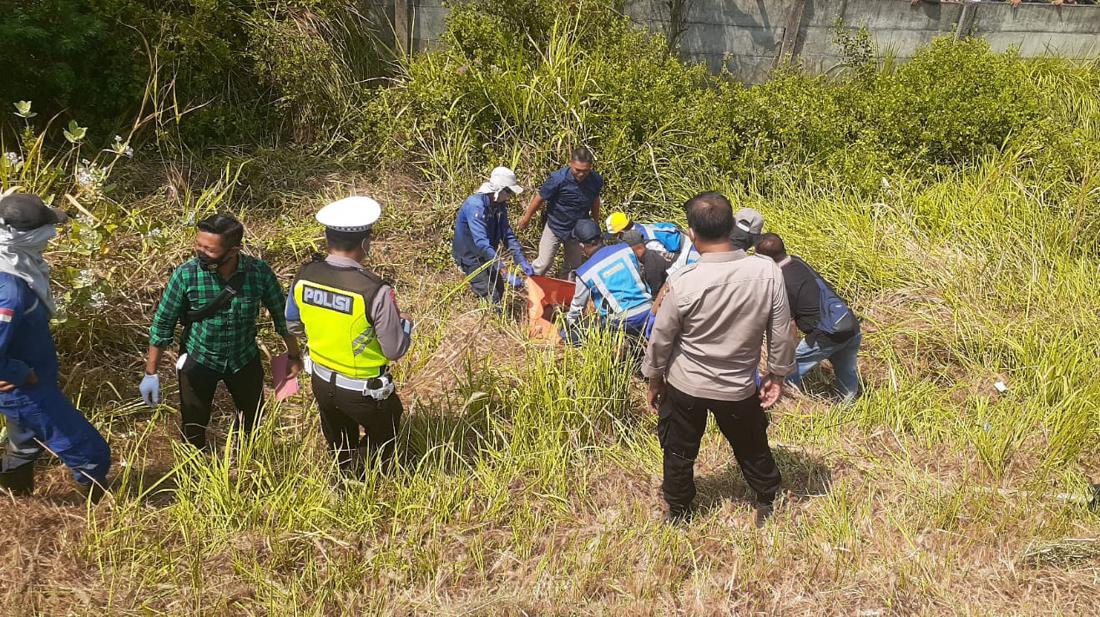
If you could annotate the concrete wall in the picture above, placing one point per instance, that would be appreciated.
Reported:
(427, 18)
(742, 36)
(749, 37)
(898, 28)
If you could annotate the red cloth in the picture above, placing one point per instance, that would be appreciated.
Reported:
(544, 295)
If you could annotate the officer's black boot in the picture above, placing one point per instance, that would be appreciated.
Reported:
(20, 481)
(764, 512)
(679, 515)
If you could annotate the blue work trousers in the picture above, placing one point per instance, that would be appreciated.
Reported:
(843, 357)
(574, 334)
(41, 417)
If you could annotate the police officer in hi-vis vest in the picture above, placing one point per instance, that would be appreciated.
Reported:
(354, 330)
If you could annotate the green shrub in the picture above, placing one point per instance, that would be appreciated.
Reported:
(253, 71)
(70, 55)
(954, 100)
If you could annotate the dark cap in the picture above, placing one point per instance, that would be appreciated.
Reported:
(24, 212)
(586, 231)
(742, 239)
(632, 237)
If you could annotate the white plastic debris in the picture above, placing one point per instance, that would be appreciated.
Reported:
(1000, 385)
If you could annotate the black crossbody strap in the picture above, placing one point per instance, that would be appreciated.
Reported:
(232, 287)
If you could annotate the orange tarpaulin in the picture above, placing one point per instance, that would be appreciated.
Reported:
(546, 295)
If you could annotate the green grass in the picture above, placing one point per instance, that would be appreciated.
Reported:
(528, 476)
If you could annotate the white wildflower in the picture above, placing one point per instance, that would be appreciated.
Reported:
(90, 177)
(85, 278)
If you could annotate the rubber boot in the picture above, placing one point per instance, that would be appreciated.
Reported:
(20, 481)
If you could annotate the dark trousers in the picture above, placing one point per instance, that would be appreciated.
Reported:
(197, 385)
(343, 412)
(487, 284)
(683, 418)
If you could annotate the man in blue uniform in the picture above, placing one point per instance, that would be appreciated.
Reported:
(38, 413)
(612, 280)
(481, 227)
(665, 238)
(571, 193)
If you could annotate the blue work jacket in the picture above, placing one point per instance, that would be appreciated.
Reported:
(612, 279)
(25, 340)
(481, 227)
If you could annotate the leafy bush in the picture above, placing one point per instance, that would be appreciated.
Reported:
(254, 70)
(954, 100)
(70, 54)
(523, 82)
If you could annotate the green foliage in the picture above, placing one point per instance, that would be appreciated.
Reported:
(70, 55)
(254, 71)
(580, 76)
(521, 83)
(953, 100)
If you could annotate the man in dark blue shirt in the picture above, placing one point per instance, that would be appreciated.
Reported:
(38, 413)
(481, 227)
(571, 193)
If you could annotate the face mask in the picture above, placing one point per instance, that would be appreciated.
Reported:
(210, 263)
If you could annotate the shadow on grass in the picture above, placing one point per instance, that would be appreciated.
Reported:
(804, 477)
(154, 483)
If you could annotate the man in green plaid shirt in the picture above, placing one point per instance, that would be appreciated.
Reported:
(221, 346)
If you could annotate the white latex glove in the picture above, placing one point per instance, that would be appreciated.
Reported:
(150, 390)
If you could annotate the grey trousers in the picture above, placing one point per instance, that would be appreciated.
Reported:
(548, 250)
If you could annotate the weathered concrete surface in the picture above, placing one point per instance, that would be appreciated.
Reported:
(741, 36)
(746, 37)
(898, 28)
(1072, 31)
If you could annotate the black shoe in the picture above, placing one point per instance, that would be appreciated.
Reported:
(764, 511)
(679, 516)
(93, 491)
(20, 481)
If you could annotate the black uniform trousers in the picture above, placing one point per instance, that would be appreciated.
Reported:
(197, 386)
(682, 421)
(343, 412)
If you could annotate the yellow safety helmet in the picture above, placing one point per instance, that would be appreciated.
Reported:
(618, 221)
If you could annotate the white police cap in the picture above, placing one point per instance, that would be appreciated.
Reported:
(352, 214)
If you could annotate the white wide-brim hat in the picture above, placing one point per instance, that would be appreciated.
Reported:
(501, 178)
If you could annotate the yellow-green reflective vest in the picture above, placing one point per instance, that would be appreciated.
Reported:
(334, 303)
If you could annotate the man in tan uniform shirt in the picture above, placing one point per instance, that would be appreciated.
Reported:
(704, 352)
